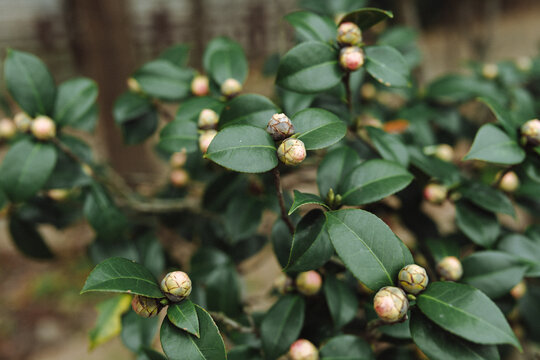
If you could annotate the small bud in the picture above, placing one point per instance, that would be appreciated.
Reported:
(444, 152)
(524, 63)
(22, 121)
(178, 159)
(531, 132)
(413, 278)
(87, 170)
(368, 91)
(176, 285)
(435, 193)
(519, 290)
(490, 71)
(200, 85)
(145, 306)
(450, 268)
(391, 304)
(509, 182)
(280, 127)
(308, 282)
(59, 195)
(231, 87)
(134, 86)
(349, 33)
(43, 128)
(351, 58)
(208, 119)
(284, 284)
(205, 139)
(179, 178)
(7, 129)
(291, 151)
(303, 349)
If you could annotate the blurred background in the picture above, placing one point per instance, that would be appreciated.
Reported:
(42, 315)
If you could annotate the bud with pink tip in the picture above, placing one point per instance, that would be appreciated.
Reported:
(303, 349)
(176, 285)
(22, 121)
(351, 58)
(145, 306)
(435, 193)
(280, 127)
(509, 182)
(178, 159)
(43, 128)
(309, 282)
(205, 139)
(413, 278)
(530, 131)
(450, 268)
(179, 178)
(291, 151)
(349, 33)
(391, 304)
(208, 119)
(200, 85)
(7, 129)
(231, 87)
(519, 290)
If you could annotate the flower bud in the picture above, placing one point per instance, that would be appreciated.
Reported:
(179, 178)
(351, 58)
(291, 151)
(413, 278)
(435, 193)
(58, 195)
(200, 85)
(178, 159)
(509, 182)
(531, 132)
(284, 284)
(145, 306)
(208, 119)
(519, 290)
(22, 121)
(450, 268)
(368, 91)
(308, 282)
(280, 127)
(231, 87)
(303, 349)
(490, 71)
(391, 304)
(7, 129)
(205, 139)
(43, 128)
(176, 285)
(349, 33)
(524, 63)
(444, 152)
(134, 86)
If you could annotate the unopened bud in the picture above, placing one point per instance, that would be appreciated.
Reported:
(413, 278)
(7, 129)
(530, 131)
(280, 127)
(134, 86)
(308, 282)
(208, 119)
(200, 85)
(178, 159)
(509, 182)
(176, 285)
(368, 91)
(444, 152)
(205, 139)
(490, 71)
(291, 151)
(145, 306)
(351, 58)
(303, 349)
(450, 268)
(22, 121)
(349, 33)
(391, 304)
(43, 128)
(519, 290)
(231, 87)
(524, 63)
(59, 195)
(179, 178)
(435, 193)
(284, 284)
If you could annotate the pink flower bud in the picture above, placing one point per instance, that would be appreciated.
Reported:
(7, 129)
(145, 306)
(231, 87)
(303, 349)
(179, 178)
(178, 159)
(519, 290)
(413, 278)
(349, 33)
(208, 119)
(391, 304)
(176, 285)
(205, 139)
(351, 58)
(450, 268)
(200, 85)
(280, 127)
(435, 193)
(291, 152)
(43, 128)
(309, 282)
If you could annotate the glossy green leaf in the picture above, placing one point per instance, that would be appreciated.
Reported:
(30, 83)
(367, 17)
(150, 354)
(138, 332)
(177, 55)
(88, 120)
(310, 26)
(180, 345)
(216, 44)
(248, 109)
(136, 116)
(495, 273)
(68, 173)
(26, 168)
(367, 246)
(318, 128)
(502, 115)
(488, 198)
(441, 248)
(108, 324)
(311, 246)
(243, 148)
(27, 239)
(528, 305)
(301, 199)
(493, 145)
(281, 242)
(224, 59)
(453, 88)
(242, 218)
(244, 352)
(163, 80)
(481, 226)
(334, 168)
(387, 66)
(74, 100)
(101, 212)
(466, 312)
(527, 251)
(281, 325)
(438, 344)
(294, 102)
(121, 275)
(190, 109)
(184, 316)
(346, 347)
(445, 172)
(389, 146)
(178, 135)
(308, 68)
(374, 180)
(341, 301)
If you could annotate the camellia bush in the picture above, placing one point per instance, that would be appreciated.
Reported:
(386, 155)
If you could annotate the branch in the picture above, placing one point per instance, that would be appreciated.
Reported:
(230, 323)
(279, 192)
(346, 82)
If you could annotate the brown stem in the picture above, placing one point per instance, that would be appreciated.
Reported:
(230, 323)
(279, 192)
(163, 111)
(347, 83)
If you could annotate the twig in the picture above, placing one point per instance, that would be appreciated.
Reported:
(230, 323)
(347, 83)
(163, 111)
(279, 192)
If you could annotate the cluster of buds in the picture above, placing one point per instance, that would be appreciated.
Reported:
(291, 151)
(435, 193)
(145, 306)
(349, 37)
(530, 132)
(449, 268)
(231, 87)
(509, 181)
(308, 283)
(391, 304)
(303, 349)
(413, 279)
(43, 128)
(200, 85)
(333, 200)
(176, 286)
(179, 177)
(7, 129)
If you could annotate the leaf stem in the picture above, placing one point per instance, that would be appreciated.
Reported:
(279, 192)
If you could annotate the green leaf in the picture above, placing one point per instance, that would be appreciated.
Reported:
(387, 66)
(294, 102)
(308, 68)
(101, 212)
(177, 55)
(438, 344)
(27, 239)
(481, 226)
(190, 109)
(453, 88)
(341, 301)
(244, 352)
(138, 332)
(136, 116)
(389, 146)
(163, 80)
(281, 325)
(242, 218)
(445, 172)
(495, 273)
(150, 354)
(301, 199)
(88, 120)
(527, 251)
(528, 305)
(26, 168)
(367, 246)
(493, 145)
(243, 148)
(502, 115)
(184, 316)
(310, 26)
(311, 246)
(374, 180)
(346, 347)
(441, 248)
(108, 324)
(30, 83)
(228, 63)
(68, 173)
(122, 275)
(334, 168)
(75, 98)
(178, 135)
(249, 109)
(367, 17)
(487, 198)
(466, 312)
(180, 345)
(318, 128)
(281, 242)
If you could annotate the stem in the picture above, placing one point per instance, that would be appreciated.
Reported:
(163, 111)
(346, 82)
(279, 192)
(230, 323)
